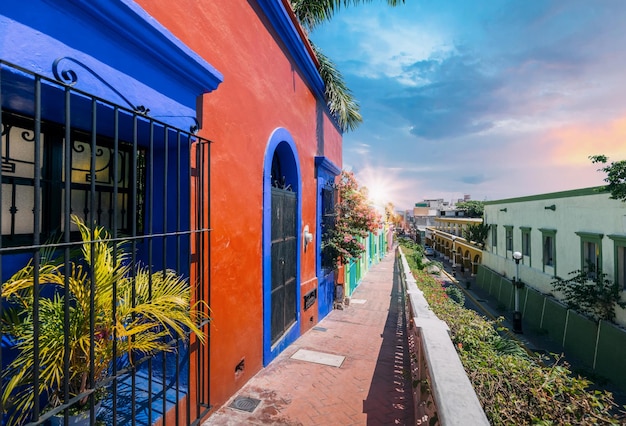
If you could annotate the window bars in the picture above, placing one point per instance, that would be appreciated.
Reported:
(66, 152)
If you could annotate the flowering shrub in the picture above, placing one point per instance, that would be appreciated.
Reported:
(354, 219)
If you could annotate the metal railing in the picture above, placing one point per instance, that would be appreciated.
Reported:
(67, 152)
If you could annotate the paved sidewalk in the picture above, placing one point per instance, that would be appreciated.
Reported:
(371, 386)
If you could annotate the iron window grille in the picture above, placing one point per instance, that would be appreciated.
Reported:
(66, 151)
(328, 223)
(112, 177)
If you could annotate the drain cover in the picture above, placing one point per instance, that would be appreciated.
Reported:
(320, 329)
(245, 403)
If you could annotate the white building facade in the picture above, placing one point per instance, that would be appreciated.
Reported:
(557, 234)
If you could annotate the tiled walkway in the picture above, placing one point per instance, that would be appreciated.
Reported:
(370, 387)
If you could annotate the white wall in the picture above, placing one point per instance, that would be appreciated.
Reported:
(584, 210)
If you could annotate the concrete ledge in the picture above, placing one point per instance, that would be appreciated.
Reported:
(453, 394)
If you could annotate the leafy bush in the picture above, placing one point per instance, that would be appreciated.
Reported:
(513, 387)
(455, 294)
(595, 298)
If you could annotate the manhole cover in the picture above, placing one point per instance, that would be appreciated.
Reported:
(245, 403)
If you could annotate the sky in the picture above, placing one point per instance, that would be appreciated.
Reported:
(491, 98)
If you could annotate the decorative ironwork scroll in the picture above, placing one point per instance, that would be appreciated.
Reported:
(69, 77)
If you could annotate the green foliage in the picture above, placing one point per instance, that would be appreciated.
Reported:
(595, 298)
(616, 176)
(514, 388)
(153, 310)
(455, 294)
(312, 13)
(339, 99)
(472, 208)
(414, 253)
(476, 233)
(354, 220)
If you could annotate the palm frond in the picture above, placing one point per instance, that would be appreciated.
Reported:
(339, 98)
(152, 309)
(312, 13)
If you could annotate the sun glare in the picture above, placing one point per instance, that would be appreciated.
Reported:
(383, 186)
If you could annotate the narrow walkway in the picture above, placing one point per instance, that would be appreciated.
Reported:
(371, 385)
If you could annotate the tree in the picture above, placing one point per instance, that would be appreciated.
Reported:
(355, 218)
(391, 216)
(341, 103)
(476, 233)
(596, 298)
(472, 208)
(616, 176)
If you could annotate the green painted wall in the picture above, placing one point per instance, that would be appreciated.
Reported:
(581, 334)
(611, 359)
(533, 307)
(580, 338)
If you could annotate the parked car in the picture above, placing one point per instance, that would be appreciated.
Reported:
(428, 251)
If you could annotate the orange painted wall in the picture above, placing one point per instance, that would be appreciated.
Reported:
(262, 90)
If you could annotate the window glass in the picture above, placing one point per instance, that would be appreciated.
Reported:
(526, 243)
(509, 239)
(110, 174)
(548, 250)
(591, 257)
(621, 265)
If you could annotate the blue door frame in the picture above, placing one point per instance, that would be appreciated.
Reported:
(282, 144)
(325, 173)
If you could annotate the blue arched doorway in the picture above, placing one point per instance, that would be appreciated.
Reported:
(282, 216)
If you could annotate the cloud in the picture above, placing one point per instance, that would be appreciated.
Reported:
(474, 180)
(494, 99)
(520, 77)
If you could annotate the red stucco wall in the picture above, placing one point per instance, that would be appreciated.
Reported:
(262, 90)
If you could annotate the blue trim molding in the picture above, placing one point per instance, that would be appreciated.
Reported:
(325, 172)
(280, 142)
(127, 19)
(112, 41)
(324, 165)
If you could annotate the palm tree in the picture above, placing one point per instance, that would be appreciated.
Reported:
(152, 310)
(341, 103)
(311, 13)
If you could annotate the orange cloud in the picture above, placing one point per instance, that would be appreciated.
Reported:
(572, 145)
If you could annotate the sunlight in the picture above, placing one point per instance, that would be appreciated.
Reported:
(384, 186)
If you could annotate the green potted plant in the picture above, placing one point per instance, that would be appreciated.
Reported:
(151, 311)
